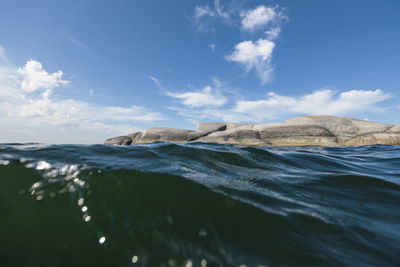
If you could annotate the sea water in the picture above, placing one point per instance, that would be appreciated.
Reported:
(199, 205)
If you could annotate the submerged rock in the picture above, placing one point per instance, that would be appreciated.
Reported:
(300, 131)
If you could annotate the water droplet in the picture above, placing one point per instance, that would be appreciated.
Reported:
(4, 162)
(202, 233)
(43, 165)
(203, 263)
(135, 259)
(39, 197)
(102, 240)
(80, 201)
(35, 185)
(189, 264)
(84, 208)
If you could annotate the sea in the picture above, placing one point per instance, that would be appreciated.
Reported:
(199, 204)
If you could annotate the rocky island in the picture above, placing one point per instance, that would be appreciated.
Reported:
(300, 131)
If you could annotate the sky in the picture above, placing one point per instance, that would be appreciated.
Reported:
(82, 71)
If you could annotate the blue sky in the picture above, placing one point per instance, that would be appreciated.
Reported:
(82, 71)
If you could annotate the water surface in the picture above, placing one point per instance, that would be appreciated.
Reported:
(199, 205)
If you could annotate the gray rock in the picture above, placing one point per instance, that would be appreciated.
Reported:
(119, 140)
(298, 135)
(374, 139)
(344, 128)
(230, 126)
(133, 135)
(340, 126)
(394, 129)
(300, 131)
(196, 135)
(204, 129)
(209, 127)
(162, 134)
(240, 136)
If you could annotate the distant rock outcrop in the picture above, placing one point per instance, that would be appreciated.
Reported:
(300, 131)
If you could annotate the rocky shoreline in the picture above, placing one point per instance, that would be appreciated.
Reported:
(300, 131)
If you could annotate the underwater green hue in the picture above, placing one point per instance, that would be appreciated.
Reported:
(199, 205)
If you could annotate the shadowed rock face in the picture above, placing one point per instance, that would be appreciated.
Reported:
(300, 131)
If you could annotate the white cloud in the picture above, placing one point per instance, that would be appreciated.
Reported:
(220, 11)
(316, 103)
(255, 55)
(207, 11)
(212, 47)
(203, 15)
(208, 97)
(157, 82)
(273, 33)
(203, 11)
(45, 118)
(35, 77)
(279, 107)
(258, 17)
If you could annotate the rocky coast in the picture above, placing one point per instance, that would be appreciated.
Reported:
(300, 131)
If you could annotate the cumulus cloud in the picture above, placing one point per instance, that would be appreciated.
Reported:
(35, 77)
(255, 55)
(258, 17)
(319, 102)
(46, 118)
(207, 97)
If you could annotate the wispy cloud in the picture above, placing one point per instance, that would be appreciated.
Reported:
(76, 42)
(273, 33)
(212, 47)
(3, 59)
(215, 11)
(204, 15)
(157, 82)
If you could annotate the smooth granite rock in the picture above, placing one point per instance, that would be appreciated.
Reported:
(162, 134)
(300, 131)
(210, 127)
(119, 140)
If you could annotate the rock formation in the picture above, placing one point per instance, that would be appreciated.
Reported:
(300, 131)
